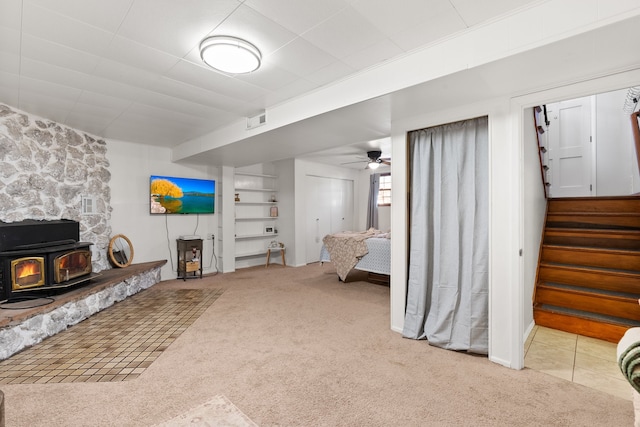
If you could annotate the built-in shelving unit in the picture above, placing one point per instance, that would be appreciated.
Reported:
(256, 214)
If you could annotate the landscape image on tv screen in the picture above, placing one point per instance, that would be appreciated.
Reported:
(172, 195)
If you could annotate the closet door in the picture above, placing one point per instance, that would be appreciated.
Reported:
(329, 209)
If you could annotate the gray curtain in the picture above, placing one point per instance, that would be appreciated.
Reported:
(372, 206)
(447, 290)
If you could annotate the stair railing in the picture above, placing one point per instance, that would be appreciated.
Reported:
(542, 149)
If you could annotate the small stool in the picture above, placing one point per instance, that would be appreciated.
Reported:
(282, 250)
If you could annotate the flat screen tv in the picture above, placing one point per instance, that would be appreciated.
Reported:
(173, 195)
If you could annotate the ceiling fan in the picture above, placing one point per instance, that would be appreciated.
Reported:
(373, 160)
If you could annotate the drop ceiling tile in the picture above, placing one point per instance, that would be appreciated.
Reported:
(9, 88)
(51, 90)
(300, 15)
(331, 73)
(134, 54)
(89, 119)
(9, 50)
(198, 95)
(474, 12)
(104, 86)
(58, 55)
(445, 24)
(525, 28)
(209, 79)
(60, 29)
(107, 15)
(179, 106)
(104, 102)
(343, 34)
(582, 12)
(269, 76)
(45, 106)
(382, 51)
(301, 57)
(124, 74)
(290, 91)
(11, 13)
(265, 34)
(394, 17)
(608, 8)
(38, 70)
(170, 26)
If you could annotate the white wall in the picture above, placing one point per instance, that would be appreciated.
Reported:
(154, 237)
(616, 164)
(302, 169)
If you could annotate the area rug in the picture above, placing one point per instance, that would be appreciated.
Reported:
(218, 412)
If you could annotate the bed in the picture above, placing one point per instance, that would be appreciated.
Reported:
(368, 251)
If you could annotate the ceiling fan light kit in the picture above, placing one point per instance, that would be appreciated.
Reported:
(231, 55)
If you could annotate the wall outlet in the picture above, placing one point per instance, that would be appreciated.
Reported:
(211, 236)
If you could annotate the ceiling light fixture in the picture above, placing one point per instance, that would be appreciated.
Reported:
(373, 165)
(230, 54)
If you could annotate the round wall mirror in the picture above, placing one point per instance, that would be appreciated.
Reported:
(120, 251)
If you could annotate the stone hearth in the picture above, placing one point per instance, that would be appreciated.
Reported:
(22, 328)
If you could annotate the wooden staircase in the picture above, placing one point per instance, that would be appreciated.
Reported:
(588, 279)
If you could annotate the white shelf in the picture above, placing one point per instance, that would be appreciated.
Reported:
(259, 175)
(252, 254)
(256, 218)
(267, 190)
(256, 203)
(256, 236)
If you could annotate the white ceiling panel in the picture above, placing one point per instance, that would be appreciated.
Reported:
(382, 51)
(107, 15)
(246, 23)
(298, 16)
(209, 79)
(270, 77)
(47, 72)
(49, 89)
(173, 26)
(134, 54)
(394, 17)
(474, 12)
(201, 96)
(331, 73)
(301, 57)
(11, 13)
(344, 34)
(44, 51)
(110, 105)
(9, 50)
(62, 30)
(444, 24)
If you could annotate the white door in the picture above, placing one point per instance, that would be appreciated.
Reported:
(329, 209)
(570, 153)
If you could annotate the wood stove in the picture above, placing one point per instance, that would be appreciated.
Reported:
(39, 257)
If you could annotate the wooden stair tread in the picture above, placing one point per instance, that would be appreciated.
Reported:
(590, 249)
(595, 231)
(590, 316)
(585, 289)
(581, 268)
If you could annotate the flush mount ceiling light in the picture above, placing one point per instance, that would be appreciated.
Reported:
(230, 54)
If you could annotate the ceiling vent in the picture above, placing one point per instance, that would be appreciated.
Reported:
(255, 121)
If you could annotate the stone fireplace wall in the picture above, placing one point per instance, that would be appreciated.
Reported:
(45, 169)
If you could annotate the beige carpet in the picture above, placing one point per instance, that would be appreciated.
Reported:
(297, 347)
(218, 412)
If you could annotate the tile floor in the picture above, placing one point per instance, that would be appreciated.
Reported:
(116, 344)
(583, 360)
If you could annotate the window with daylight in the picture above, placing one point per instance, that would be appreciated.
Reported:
(384, 191)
